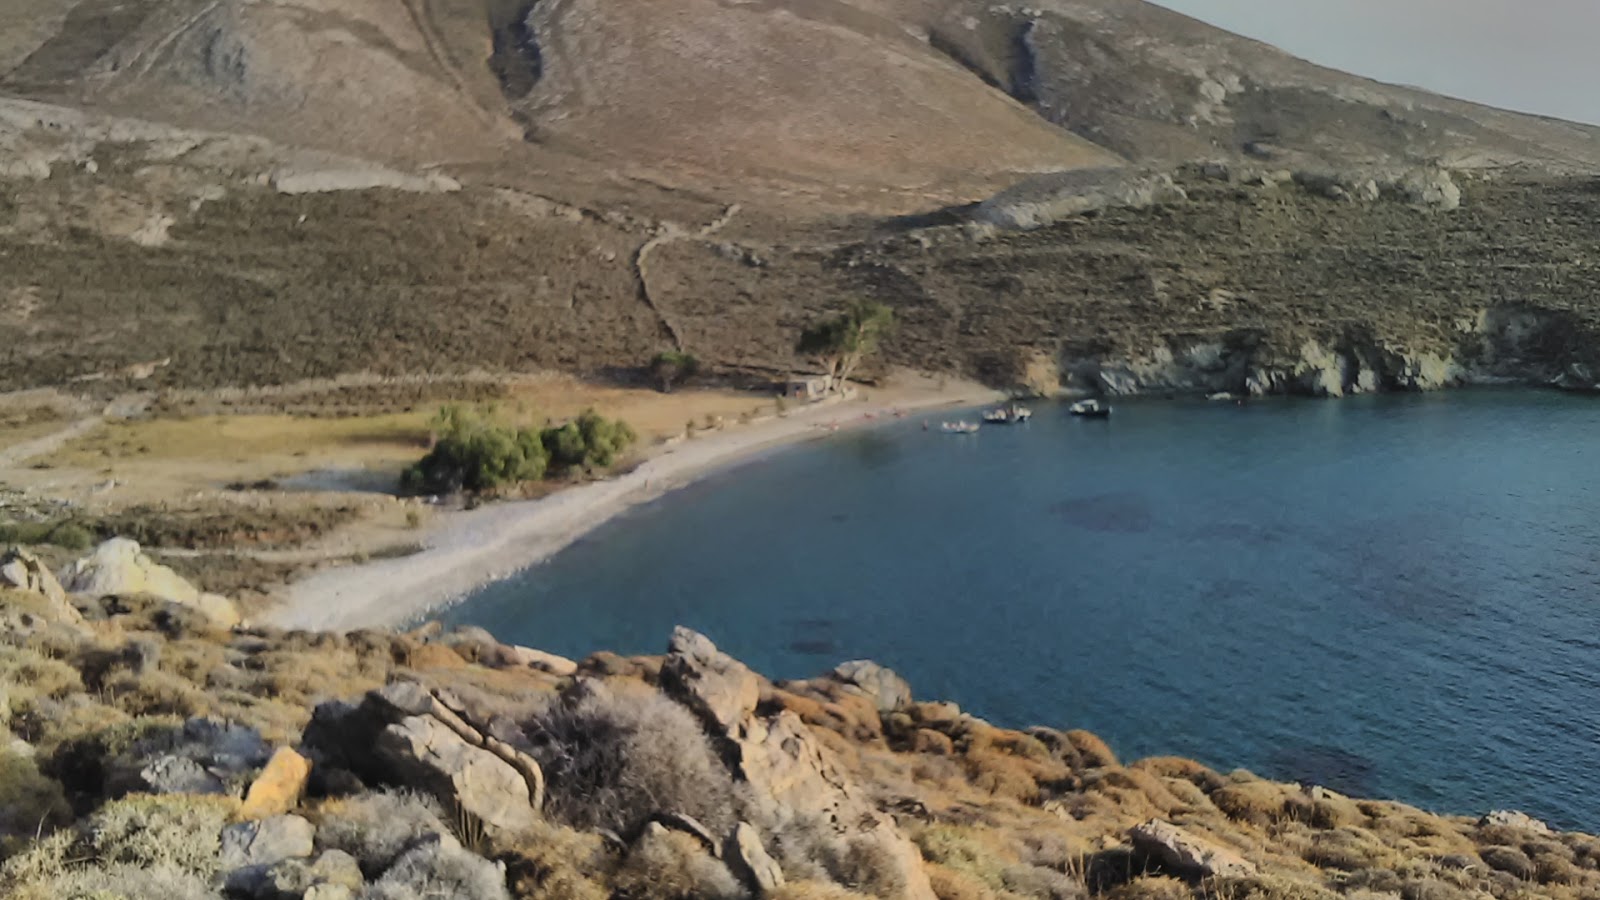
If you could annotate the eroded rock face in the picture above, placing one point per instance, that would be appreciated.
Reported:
(889, 691)
(1510, 818)
(715, 686)
(425, 753)
(1188, 855)
(751, 862)
(23, 571)
(1049, 198)
(791, 775)
(251, 851)
(119, 567)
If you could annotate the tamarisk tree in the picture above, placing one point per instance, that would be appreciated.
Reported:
(839, 343)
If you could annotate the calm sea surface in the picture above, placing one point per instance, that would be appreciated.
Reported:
(1392, 596)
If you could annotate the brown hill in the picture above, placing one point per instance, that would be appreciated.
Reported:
(270, 191)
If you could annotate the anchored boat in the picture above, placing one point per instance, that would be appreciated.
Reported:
(1090, 409)
(1010, 414)
(959, 427)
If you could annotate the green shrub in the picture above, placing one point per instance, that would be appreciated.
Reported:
(673, 366)
(471, 452)
(29, 801)
(67, 535)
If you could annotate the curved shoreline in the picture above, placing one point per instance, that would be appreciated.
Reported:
(465, 550)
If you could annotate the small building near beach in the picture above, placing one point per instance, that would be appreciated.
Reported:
(806, 387)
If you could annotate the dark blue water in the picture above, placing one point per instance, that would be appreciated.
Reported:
(1393, 596)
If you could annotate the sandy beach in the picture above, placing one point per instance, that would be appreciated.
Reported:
(466, 549)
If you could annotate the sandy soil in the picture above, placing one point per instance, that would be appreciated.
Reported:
(463, 550)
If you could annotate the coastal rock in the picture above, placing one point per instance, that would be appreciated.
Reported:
(119, 568)
(1432, 188)
(428, 755)
(715, 686)
(751, 862)
(203, 756)
(251, 850)
(1510, 818)
(545, 662)
(23, 571)
(889, 691)
(1186, 854)
(276, 790)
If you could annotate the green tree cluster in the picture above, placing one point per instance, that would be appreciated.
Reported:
(840, 343)
(475, 453)
(673, 366)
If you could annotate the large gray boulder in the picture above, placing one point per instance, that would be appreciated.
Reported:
(1188, 855)
(1510, 818)
(119, 568)
(889, 691)
(426, 754)
(252, 850)
(713, 685)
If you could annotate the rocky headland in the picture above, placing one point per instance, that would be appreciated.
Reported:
(152, 751)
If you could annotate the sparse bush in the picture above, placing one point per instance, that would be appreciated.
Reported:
(867, 864)
(174, 830)
(817, 890)
(376, 828)
(439, 869)
(614, 757)
(1152, 887)
(29, 802)
(1510, 860)
(67, 535)
(674, 866)
(963, 850)
(550, 862)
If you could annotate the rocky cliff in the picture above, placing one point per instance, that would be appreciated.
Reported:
(148, 754)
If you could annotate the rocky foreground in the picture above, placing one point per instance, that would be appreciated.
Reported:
(153, 752)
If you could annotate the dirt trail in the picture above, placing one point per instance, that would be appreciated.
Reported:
(670, 232)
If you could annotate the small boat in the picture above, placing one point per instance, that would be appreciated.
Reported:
(959, 427)
(1013, 414)
(1090, 409)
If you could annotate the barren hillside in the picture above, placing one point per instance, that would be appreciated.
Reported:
(266, 191)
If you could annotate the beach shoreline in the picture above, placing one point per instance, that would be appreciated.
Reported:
(464, 550)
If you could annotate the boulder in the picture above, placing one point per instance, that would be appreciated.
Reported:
(119, 568)
(889, 691)
(337, 867)
(172, 774)
(277, 789)
(544, 662)
(750, 861)
(1432, 188)
(251, 850)
(267, 841)
(1510, 818)
(1188, 855)
(1043, 199)
(424, 753)
(23, 571)
(715, 686)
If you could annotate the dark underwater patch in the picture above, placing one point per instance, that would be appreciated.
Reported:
(1331, 767)
(1118, 513)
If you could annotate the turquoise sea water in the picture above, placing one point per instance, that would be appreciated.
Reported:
(1393, 596)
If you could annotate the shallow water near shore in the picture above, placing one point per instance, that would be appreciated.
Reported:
(1393, 596)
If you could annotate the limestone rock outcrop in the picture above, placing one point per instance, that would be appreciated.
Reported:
(23, 571)
(1187, 854)
(120, 567)
(427, 754)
